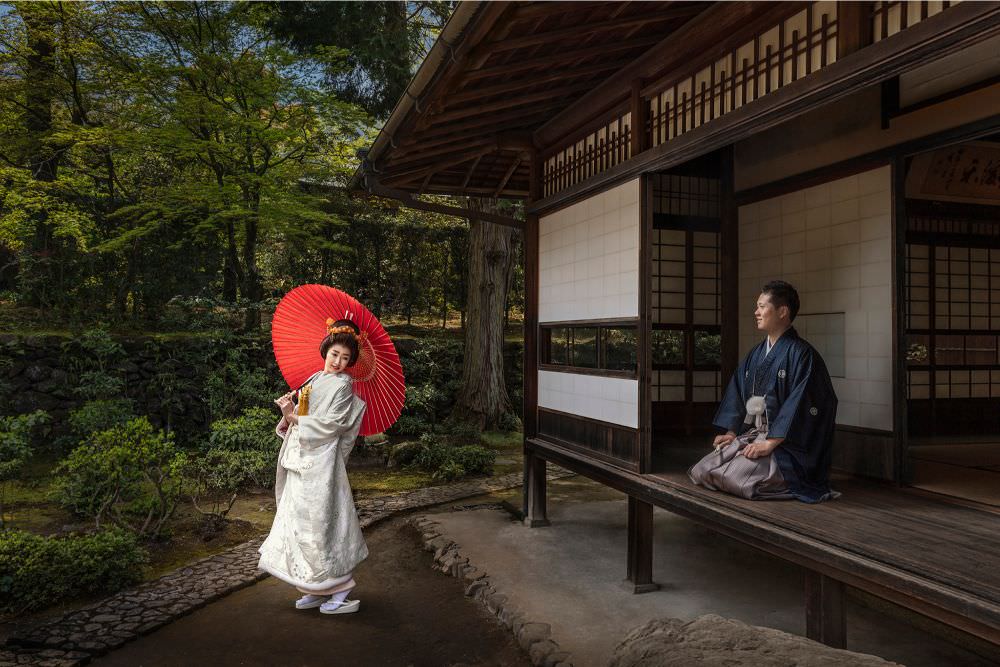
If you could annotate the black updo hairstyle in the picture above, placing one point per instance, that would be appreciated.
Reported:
(348, 340)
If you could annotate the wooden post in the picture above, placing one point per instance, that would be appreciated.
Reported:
(854, 27)
(640, 114)
(645, 328)
(902, 466)
(729, 272)
(534, 491)
(826, 620)
(639, 572)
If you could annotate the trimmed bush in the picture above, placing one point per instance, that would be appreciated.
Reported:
(36, 571)
(253, 430)
(447, 462)
(100, 415)
(129, 475)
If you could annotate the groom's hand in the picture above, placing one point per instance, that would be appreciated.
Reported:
(723, 440)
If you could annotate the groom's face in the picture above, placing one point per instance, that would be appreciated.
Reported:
(767, 316)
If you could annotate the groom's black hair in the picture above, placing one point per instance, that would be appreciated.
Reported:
(782, 294)
(350, 341)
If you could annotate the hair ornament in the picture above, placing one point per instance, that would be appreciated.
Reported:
(332, 330)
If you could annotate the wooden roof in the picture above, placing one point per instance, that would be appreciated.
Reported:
(512, 68)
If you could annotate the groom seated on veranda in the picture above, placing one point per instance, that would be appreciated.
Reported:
(778, 414)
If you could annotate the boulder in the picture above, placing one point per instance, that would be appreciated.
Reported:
(711, 640)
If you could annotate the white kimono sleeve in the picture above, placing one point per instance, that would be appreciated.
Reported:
(315, 430)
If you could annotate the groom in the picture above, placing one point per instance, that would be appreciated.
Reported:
(783, 393)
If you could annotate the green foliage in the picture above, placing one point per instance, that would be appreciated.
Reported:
(15, 441)
(242, 451)
(130, 475)
(99, 415)
(36, 571)
(448, 462)
(16, 447)
(238, 382)
(96, 363)
(215, 479)
(408, 425)
(252, 430)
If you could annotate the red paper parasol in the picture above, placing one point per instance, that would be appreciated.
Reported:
(298, 327)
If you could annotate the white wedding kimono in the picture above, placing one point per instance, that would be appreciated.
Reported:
(315, 541)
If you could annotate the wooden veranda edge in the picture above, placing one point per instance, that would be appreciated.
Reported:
(962, 25)
(972, 614)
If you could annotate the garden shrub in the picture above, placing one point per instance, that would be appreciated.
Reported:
(253, 429)
(409, 425)
(99, 415)
(215, 479)
(16, 447)
(36, 571)
(238, 382)
(95, 367)
(448, 462)
(130, 475)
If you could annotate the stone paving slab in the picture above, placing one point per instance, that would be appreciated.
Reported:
(77, 636)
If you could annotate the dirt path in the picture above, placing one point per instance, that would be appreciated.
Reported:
(410, 616)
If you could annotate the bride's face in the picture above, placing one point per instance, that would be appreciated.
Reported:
(337, 358)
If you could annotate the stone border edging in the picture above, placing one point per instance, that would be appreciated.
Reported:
(534, 638)
(82, 634)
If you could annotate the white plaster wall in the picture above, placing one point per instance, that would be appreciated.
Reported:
(588, 257)
(612, 400)
(833, 243)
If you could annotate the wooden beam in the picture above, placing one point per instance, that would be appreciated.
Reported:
(562, 56)
(452, 129)
(479, 110)
(506, 177)
(408, 176)
(826, 618)
(599, 25)
(730, 268)
(469, 147)
(472, 168)
(960, 26)
(699, 40)
(519, 84)
(406, 199)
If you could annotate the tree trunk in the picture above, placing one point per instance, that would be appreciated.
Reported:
(42, 158)
(482, 398)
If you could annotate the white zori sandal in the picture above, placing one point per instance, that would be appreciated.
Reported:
(311, 601)
(340, 607)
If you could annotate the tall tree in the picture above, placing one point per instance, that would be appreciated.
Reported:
(482, 398)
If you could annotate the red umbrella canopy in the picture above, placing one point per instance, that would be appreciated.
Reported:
(299, 326)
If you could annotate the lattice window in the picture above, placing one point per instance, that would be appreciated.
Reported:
(888, 18)
(596, 152)
(798, 46)
(953, 329)
(581, 346)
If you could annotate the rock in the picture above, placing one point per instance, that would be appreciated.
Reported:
(403, 453)
(539, 651)
(531, 633)
(556, 658)
(495, 602)
(106, 618)
(474, 587)
(711, 640)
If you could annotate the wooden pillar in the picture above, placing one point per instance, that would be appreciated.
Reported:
(639, 572)
(902, 469)
(534, 491)
(640, 115)
(854, 27)
(645, 329)
(826, 618)
(729, 272)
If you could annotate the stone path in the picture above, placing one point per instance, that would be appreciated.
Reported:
(76, 637)
(534, 637)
